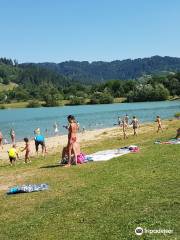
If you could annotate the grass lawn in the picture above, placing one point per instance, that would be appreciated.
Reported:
(105, 200)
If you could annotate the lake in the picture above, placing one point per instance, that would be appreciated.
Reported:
(25, 120)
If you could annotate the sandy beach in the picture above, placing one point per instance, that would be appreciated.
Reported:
(56, 143)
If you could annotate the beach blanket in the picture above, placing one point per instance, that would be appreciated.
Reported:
(109, 154)
(171, 141)
(28, 188)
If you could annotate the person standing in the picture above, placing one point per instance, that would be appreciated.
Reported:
(13, 136)
(39, 140)
(126, 118)
(159, 123)
(119, 121)
(72, 139)
(135, 124)
(13, 154)
(27, 150)
(124, 128)
(56, 130)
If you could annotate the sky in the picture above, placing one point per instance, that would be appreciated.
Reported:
(88, 30)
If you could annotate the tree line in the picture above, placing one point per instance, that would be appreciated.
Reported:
(44, 86)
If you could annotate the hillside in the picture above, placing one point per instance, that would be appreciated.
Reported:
(100, 71)
(148, 79)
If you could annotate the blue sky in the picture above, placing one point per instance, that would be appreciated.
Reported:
(88, 30)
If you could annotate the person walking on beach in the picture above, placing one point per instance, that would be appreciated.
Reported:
(72, 139)
(159, 123)
(27, 150)
(126, 118)
(13, 154)
(124, 128)
(13, 136)
(1, 139)
(135, 124)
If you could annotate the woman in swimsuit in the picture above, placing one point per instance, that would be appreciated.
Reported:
(72, 138)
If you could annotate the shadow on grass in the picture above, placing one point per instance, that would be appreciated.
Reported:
(53, 166)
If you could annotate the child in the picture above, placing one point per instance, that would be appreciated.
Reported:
(126, 118)
(13, 154)
(135, 123)
(158, 120)
(124, 127)
(27, 149)
(13, 136)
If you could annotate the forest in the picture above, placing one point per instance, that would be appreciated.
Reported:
(40, 85)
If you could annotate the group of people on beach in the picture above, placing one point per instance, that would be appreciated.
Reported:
(71, 152)
(124, 123)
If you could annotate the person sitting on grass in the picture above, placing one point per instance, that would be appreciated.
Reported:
(13, 154)
(65, 155)
(27, 149)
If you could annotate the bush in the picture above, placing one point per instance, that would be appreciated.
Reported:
(34, 104)
(177, 114)
(77, 101)
(106, 98)
(101, 98)
(148, 93)
(2, 107)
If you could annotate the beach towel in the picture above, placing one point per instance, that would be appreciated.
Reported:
(109, 154)
(171, 141)
(28, 188)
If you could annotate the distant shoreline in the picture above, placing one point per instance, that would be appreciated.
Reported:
(17, 105)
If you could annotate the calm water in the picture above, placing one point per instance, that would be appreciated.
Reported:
(25, 120)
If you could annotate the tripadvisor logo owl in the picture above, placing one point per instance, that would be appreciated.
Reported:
(139, 231)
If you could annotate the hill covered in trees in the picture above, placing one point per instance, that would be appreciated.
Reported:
(100, 71)
(155, 78)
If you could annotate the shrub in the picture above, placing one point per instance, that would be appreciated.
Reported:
(34, 104)
(177, 114)
(2, 107)
(77, 101)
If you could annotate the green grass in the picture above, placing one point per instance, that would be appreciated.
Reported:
(106, 200)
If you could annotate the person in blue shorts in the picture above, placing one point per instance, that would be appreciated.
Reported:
(39, 140)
